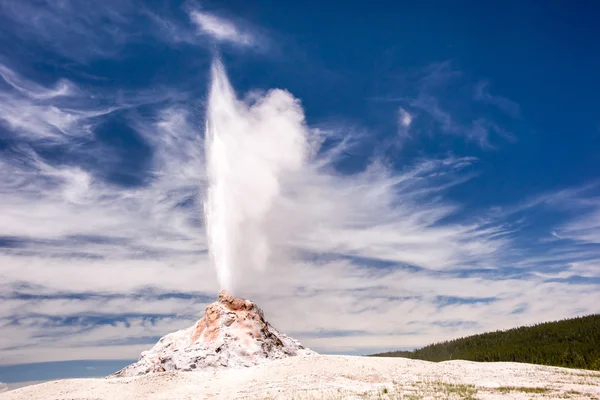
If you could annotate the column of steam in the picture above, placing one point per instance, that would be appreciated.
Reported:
(219, 212)
(251, 153)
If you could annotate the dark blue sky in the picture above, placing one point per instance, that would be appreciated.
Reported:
(544, 58)
(484, 116)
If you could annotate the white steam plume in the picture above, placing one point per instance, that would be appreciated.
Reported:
(250, 150)
(275, 197)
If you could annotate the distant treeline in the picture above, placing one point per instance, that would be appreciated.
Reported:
(573, 343)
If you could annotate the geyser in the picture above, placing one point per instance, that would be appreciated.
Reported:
(252, 146)
(254, 152)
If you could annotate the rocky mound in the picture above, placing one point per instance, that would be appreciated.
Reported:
(232, 333)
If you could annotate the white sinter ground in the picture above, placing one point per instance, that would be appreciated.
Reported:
(334, 377)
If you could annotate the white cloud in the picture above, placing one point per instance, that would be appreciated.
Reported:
(220, 29)
(506, 105)
(404, 118)
(441, 81)
(33, 90)
(393, 308)
(62, 114)
(375, 252)
(585, 228)
(83, 31)
(73, 29)
(581, 204)
(38, 113)
(40, 122)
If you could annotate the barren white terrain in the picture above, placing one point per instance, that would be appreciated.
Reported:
(334, 377)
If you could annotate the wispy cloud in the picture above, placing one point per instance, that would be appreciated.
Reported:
(404, 121)
(382, 258)
(506, 105)
(35, 91)
(220, 29)
(27, 109)
(404, 117)
(93, 267)
(71, 28)
(84, 32)
(431, 111)
(584, 228)
(61, 113)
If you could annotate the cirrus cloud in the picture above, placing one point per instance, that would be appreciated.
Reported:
(220, 29)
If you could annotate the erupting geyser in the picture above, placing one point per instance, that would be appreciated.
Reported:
(252, 149)
(251, 146)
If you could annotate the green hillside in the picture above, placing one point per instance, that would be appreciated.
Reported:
(573, 343)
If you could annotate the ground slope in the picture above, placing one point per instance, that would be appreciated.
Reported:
(335, 377)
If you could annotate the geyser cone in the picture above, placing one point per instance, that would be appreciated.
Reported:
(232, 333)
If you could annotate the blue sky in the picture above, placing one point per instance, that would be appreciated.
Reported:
(457, 192)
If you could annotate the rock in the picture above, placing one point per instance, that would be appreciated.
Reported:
(232, 333)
